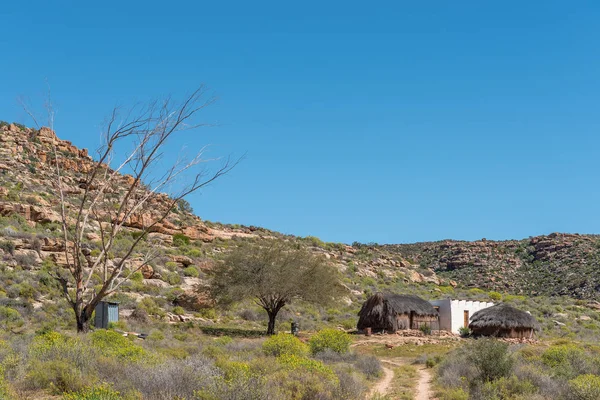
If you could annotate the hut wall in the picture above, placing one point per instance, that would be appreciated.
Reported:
(452, 312)
(420, 320)
(403, 321)
(516, 333)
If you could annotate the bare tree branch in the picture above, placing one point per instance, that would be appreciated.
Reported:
(112, 198)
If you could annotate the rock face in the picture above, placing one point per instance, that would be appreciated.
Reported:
(555, 264)
(193, 300)
(27, 163)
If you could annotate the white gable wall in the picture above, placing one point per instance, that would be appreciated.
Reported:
(452, 312)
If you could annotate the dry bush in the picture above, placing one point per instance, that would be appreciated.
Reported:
(163, 381)
(351, 386)
(548, 386)
(369, 365)
(330, 356)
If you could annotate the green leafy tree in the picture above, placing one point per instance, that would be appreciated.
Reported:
(274, 275)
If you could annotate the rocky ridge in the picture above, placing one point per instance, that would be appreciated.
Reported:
(27, 173)
(556, 264)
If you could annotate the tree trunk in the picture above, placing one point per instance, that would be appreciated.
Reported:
(83, 317)
(83, 323)
(271, 326)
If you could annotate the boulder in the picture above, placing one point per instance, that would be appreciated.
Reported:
(194, 300)
(184, 261)
(166, 240)
(27, 258)
(155, 282)
(147, 271)
(46, 132)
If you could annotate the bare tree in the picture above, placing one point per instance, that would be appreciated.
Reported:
(119, 188)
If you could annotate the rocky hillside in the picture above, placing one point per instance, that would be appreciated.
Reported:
(30, 240)
(558, 264)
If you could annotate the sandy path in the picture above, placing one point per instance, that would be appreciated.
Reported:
(424, 384)
(423, 388)
(384, 383)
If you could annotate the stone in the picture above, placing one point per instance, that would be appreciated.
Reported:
(156, 282)
(46, 132)
(194, 300)
(166, 240)
(147, 271)
(184, 261)
(27, 258)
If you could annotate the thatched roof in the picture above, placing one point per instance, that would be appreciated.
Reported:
(503, 316)
(380, 311)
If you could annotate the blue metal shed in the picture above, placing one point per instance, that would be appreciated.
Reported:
(106, 312)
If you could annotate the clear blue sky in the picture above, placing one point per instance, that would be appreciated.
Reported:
(389, 122)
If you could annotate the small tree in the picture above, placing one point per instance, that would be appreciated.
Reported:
(274, 274)
(110, 201)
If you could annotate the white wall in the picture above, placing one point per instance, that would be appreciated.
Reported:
(452, 312)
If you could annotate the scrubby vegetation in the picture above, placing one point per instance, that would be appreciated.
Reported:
(488, 369)
(106, 365)
(202, 349)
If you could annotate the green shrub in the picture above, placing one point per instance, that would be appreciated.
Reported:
(10, 318)
(137, 277)
(5, 390)
(178, 310)
(507, 388)
(184, 206)
(223, 340)
(100, 392)
(8, 247)
(193, 252)
(293, 361)
(585, 387)
(315, 241)
(284, 343)
(464, 331)
(495, 296)
(173, 278)
(208, 313)
(179, 239)
(557, 355)
(432, 361)
(171, 265)
(191, 271)
(476, 291)
(454, 394)
(446, 289)
(567, 361)
(114, 345)
(59, 375)
(156, 335)
(491, 359)
(426, 329)
(332, 339)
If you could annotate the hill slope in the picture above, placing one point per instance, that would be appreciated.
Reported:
(557, 264)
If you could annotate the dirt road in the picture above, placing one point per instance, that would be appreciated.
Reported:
(422, 389)
(383, 386)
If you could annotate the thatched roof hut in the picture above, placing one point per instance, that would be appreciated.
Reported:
(503, 320)
(391, 312)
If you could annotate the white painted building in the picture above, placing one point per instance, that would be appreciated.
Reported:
(455, 314)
